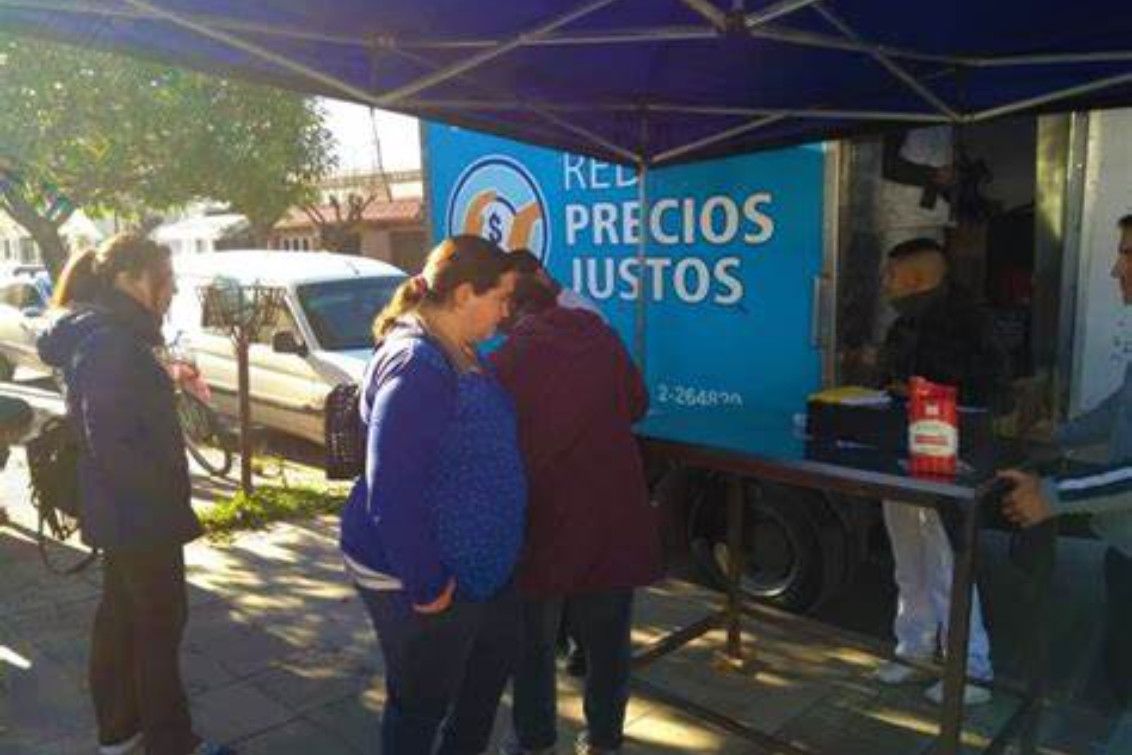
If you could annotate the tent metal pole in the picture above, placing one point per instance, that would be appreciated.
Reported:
(643, 291)
(1067, 59)
(776, 11)
(625, 36)
(213, 21)
(887, 63)
(256, 50)
(1047, 99)
(719, 19)
(714, 15)
(581, 107)
(583, 132)
(671, 154)
(684, 34)
(755, 23)
(488, 55)
(541, 110)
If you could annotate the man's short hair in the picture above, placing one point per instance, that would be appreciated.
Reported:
(1125, 222)
(912, 247)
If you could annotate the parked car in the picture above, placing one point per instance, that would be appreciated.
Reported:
(24, 300)
(320, 338)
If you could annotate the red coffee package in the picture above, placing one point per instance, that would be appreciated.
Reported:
(933, 429)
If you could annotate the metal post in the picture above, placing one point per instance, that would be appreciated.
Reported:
(643, 290)
(958, 631)
(735, 567)
(244, 388)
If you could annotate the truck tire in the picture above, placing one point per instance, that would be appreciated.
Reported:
(798, 549)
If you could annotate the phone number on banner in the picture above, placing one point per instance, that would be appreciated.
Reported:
(686, 395)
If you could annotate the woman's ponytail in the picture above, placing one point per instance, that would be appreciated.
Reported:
(406, 299)
(79, 281)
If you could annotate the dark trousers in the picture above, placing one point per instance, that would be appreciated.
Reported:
(443, 671)
(1118, 624)
(135, 674)
(601, 622)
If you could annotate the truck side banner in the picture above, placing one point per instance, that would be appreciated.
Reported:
(733, 248)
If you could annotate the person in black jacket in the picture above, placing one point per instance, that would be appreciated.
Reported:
(944, 335)
(134, 489)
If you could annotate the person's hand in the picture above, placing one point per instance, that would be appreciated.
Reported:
(899, 390)
(944, 177)
(1025, 506)
(440, 604)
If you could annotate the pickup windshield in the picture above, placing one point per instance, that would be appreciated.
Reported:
(341, 313)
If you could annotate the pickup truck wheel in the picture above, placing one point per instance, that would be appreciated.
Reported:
(793, 554)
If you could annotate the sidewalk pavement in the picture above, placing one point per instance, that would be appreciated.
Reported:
(279, 659)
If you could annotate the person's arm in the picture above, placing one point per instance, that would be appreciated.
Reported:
(1098, 491)
(1033, 500)
(899, 170)
(1094, 426)
(411, 412)
(114, 422)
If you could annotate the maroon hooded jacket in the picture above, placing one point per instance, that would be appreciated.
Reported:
(590, 523)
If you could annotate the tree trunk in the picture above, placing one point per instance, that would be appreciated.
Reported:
(44, 232)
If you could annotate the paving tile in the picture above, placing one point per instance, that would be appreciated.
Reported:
(311, 680)
(298, 738)
(236, 712)
(665, 731)
(41, 703)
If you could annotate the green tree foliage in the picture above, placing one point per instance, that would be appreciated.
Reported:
(109, 134)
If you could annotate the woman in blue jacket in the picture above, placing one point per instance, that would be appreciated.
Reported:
(135, 490)
(432, 530)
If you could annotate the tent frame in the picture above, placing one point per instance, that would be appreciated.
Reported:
(238, 35)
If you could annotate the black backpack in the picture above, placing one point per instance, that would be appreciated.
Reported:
(343, 430)
(345, 436)
(53, 465)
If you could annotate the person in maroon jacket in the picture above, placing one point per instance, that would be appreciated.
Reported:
(592, 533)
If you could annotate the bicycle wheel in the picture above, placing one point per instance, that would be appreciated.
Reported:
(59, 549)
(203, 438)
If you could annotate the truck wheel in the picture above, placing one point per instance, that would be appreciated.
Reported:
(797, 548)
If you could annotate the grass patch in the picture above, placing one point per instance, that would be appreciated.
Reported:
(266, 505)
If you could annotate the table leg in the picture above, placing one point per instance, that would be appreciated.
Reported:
(958, 633)
(735, 567)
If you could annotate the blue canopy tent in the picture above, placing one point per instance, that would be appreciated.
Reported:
(647, 81)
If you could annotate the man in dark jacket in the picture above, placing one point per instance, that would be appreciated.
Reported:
(592, 534)
(943, 335)
(134, 487)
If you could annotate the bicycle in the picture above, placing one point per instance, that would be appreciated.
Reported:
(205, 438)
(52, 457)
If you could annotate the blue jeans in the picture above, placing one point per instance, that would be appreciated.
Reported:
(601, 622)
(443, 670)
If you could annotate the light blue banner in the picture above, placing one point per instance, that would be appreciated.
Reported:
(733, 248)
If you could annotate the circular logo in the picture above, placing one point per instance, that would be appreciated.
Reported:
(497, 198)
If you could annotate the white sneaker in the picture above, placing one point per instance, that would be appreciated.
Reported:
(972, 695)
(895, 672)
(122, 748)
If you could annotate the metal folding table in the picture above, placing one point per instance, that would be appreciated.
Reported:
(776, 453)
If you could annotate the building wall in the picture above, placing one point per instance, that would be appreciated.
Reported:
(376, 244)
